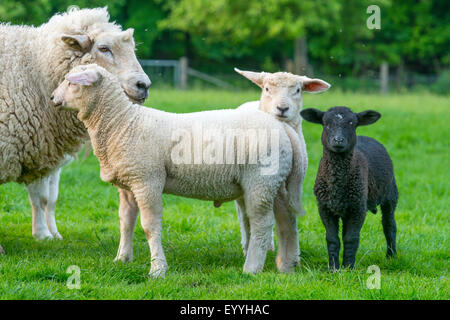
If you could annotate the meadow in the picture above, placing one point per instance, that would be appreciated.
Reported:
(202, 243)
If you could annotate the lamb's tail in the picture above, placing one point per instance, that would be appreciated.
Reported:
(87, 146)
(291, 190)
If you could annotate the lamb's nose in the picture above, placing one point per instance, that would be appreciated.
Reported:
(283, 110)
(143, 85)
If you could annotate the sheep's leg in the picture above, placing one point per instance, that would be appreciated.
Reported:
(288, 247)
(128, 211)
(150, 206)
(351, 228)
(2, 252)
(244, 224)
(38, 193)
(331, 223)
(389, 225)
(53, 181)
(261, 226)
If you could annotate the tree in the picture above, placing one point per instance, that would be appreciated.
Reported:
(19, 12)
(241, 26)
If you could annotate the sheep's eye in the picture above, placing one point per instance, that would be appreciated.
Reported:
(350, 123)
(104, 49)
(72, 84)
(267, 89)
(298, 90)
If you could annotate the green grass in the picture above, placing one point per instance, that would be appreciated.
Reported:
(202, 243)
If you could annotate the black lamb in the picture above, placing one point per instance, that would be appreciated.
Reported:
(355, 175)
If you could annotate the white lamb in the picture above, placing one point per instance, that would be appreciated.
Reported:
(147, 152)
(35, 139)
(282, 97)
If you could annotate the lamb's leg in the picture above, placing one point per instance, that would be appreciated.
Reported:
(261, 226)
(288, 247)
(351, 228)
(150, 206)
(331, 223)
(51, 203)
(128, 211)
(244, 224)
(388, 221)
(38, 193)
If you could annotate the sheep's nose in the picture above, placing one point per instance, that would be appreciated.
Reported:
(283, 110)
(338, 139)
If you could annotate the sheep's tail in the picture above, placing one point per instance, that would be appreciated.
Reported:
(291, 190)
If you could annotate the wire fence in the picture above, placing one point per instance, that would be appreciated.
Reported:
(178, 74)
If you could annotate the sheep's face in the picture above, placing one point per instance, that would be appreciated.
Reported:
(339, 126)
(72, 93)
(282, 92)
(114, 51)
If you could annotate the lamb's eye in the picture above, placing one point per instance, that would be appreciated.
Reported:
(267, 89)
(298, 90)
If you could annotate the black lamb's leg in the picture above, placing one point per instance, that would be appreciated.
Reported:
(388, 221)
(331, 223)
(351, 229)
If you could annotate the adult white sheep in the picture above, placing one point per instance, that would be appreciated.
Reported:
(150, 152)
(282, 98)
(35, 139)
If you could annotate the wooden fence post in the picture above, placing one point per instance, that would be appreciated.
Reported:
(384, 77)
(183, 73)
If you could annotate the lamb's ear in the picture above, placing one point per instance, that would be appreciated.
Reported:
(312, 115)
(84, 78)
(255, 77)
(78, 42)
(127, 35)
(315, 85)
(367, 117)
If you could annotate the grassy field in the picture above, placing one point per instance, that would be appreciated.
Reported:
(202, 243)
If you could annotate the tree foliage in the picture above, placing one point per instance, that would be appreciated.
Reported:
(414, 34)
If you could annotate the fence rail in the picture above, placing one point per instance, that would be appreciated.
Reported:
(181, 71)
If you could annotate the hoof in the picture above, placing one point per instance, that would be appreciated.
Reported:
(43, 236)
(252, 269)
(157, 272)
(57, 235)
(123, 258)
(284, 267)
(2, 252)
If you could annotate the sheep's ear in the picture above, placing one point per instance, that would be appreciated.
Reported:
(78, 42)
(312, 115)
(315, 85)
(255, 77)
(84, 78)
(367, 117)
